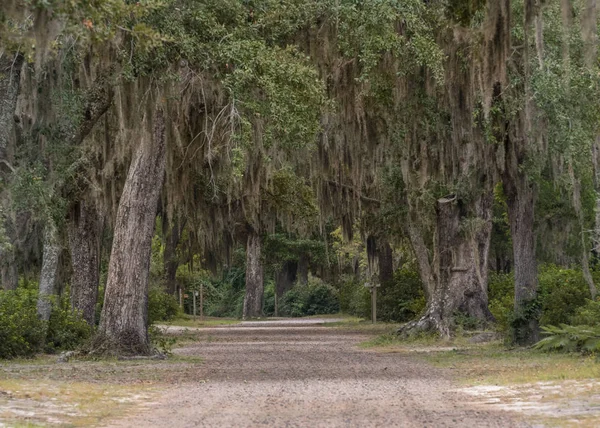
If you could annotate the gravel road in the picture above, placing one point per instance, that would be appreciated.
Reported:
(306, 375)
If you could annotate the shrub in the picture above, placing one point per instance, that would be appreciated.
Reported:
(401, 299)
(161, 305)
(588, 314)
(561, 293)
(315, 298)
(66, 328)
(355, 298)
(21, 332)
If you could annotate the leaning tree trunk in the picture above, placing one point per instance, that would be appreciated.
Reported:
(10, 74)
(124, 319)
(49, 274)
(456, 277)
(84, 241)
(520, 200)
(253, 299)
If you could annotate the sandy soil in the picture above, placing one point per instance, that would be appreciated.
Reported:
(306, 375)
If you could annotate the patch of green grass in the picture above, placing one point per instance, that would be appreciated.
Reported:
(494, 364)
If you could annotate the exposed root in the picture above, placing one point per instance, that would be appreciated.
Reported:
(126, 345)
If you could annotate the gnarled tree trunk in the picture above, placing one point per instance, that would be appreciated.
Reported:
(455, 277)
(84, 240)
(253, 300)
(124, 319)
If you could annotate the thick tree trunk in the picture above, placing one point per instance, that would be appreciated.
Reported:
(10, 74)
(253, 301)
(520, 199)
(84, 241)
(170, 259)
(124, 319)
(386, 263)
(303, 270)
(49, 274)
(284, 279)
(456, 277)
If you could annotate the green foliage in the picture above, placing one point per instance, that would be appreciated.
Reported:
(562, 295)
(21, 332)
(227, 295)
(66, 328)
(561, 292)
(355, 298)
(588, 314)
(315, 298)
(161, 305)
(567, 338)
(402, 299)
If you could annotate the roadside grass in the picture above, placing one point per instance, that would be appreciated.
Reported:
(85, 391)
(552, 389)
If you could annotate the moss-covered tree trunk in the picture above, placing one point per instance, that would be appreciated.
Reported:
(455, 277)
(253, 300)
(49, 273)
(10, 74)
(84, 241)
(124, 319)
(520, 200)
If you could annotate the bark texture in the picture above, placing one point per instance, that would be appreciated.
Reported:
(285, 278)
(520, 200)
(48, 275)
(303, 269)
(84, 241)
(10, 75)
(253, 300)
(455, 277)
(386, 263)
(124, 320)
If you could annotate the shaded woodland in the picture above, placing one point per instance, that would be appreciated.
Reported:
(280, 154)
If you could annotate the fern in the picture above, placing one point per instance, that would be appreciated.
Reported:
(569, 338)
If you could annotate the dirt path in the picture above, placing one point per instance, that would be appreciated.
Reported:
(300, 375)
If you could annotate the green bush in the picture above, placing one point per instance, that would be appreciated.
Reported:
(315, 298)
(269, 299)
(561, 293)
(355, 298)
(66, 328)
(161, 305)
(401, 299)
(21, 332)
(588, 314)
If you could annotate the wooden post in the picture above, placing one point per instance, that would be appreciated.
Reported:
(195, 293)
(374, 304)
(201, 302)
(276, 303)
(181, 299)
